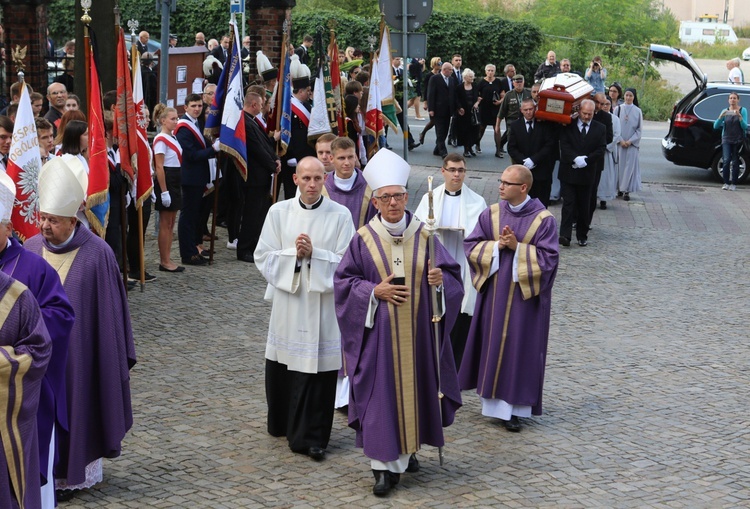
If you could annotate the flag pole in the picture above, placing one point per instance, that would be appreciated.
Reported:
(86, 20)
(138, 210)
(123, 189)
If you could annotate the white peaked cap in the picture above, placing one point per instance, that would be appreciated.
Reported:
(79, 170)
(60, 192)
(262, 63)
(7, 196)
(295, 66)
(386, 169)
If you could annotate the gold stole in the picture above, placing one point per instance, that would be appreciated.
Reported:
(398, 260)
(481, 259)
(61, 262)
(10, 434)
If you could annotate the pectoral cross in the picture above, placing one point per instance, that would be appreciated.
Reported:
(397, 261)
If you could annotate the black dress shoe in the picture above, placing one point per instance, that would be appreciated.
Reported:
(414, 145)
(564, 241)
(195, 260)
(413, 464)
(473, 154)
(136, 276)
(500, 154)
(64, 495)
(513, 424)
(603, 205)
(317, 453)
(467, 154)
(626, 197)
(479, 149)
(245, 257)
(421, 138)
(179, 268)
(583, 243)
(384, 482)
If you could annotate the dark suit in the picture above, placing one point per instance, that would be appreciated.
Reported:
(441, 102)
(303, 54)
(261, 165)
(218, 53)
(142, 48)
(195, 175)
(576, 183)
(605, 119)
(399, 73)
(539, 146)
(297, 149)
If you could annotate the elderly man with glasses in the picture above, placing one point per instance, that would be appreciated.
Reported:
(510, 110)
(404, 388)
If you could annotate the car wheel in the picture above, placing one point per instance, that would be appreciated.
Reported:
(718, 163)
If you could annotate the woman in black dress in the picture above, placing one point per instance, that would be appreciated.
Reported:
(489, 102)
(416, 67)
(466, 101)
(435, 65)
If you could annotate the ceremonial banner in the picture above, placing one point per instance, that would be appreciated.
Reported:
(97, 196)
(124, 130)
(385, 77)
(284, 105)
(144, 183)
(374, 128)
(320, 123)
(24, 163)
(336, 95)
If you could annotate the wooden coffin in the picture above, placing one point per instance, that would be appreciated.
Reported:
(560, 97)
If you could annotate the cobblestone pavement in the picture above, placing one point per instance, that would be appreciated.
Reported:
(646, 400)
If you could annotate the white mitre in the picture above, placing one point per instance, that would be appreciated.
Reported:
(386, 169)
(60, 190)
(7, 197)
(79, 170)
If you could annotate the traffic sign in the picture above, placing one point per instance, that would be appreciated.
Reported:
(418, 12)
(417, 44)
(237, 6)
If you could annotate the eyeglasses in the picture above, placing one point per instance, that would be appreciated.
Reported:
(506, 184)
(386, 198)
(455, 170)
(61, 92)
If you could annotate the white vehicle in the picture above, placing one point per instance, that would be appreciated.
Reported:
(706, 29)
(746, 54)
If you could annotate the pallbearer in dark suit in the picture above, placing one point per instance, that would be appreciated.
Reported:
(531, 143)
(441, 103)
(605, 119)
(582, 146)
(263, 163)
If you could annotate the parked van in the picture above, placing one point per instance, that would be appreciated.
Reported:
(706, 29)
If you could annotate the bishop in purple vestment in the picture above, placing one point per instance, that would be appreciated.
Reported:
(101, 349)
(513, 256)
(397, 367)
(25, 350)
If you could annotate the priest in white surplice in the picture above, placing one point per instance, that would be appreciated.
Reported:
(300, 247)
(457, 209)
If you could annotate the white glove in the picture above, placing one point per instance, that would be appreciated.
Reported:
(292, 163)
(579, 162)
(216, 145)
(529, 163)
(166, 199)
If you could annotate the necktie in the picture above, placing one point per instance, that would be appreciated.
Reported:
(529, 126)
(5, 160)
(584, 130)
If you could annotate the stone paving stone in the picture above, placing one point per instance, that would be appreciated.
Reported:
(645, 394)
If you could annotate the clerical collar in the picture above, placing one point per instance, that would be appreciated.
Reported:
(57, 247)
(516, 208)
(344, 184)
(395, 228)
(453, 193)
(313, 206)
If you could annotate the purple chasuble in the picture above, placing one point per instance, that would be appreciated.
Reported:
(44, 283)
(100, 355)
(25, 350)
(357, 199)
(394, 405)
(506, 349)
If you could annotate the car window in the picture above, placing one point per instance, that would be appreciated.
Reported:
(711, 107)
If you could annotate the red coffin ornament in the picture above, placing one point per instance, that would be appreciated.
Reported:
(560, 97)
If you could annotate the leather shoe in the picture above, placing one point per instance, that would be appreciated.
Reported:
(316, 453)
(467, 154)
(603, 205)
(195, 260)
(421, 138)
(384, 482)
(64, 495)
(583, 243)
(413, 464)
(500, 154)
(564, 241)
(245, 257)
(513, 424)
(179, 268)
(414, 145)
